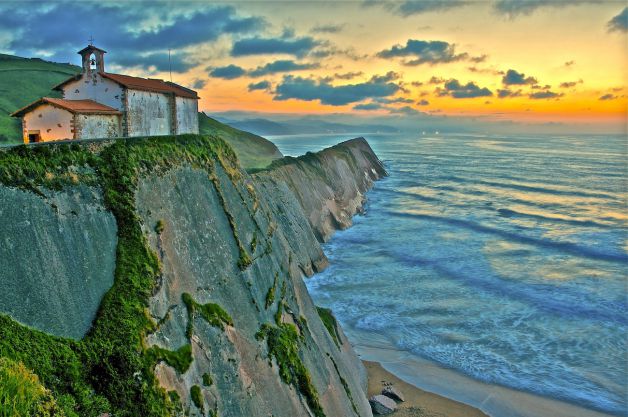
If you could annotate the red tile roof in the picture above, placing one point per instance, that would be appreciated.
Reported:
(73, 106)
(138, 83)
(150, 84)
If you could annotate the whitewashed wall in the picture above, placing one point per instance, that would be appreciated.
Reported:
(187, 115)
(148, 113)
(52, 122)
(97, 88)
(96, 126)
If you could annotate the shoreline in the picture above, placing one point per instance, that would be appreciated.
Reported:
(445, 385)
(418, 402)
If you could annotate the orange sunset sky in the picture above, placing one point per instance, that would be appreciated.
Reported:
(532, 61)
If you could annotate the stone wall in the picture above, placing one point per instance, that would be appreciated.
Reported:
(148, 113)
(91, 126)
(187, 115)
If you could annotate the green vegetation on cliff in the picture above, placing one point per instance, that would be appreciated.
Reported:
(283, 343)
(328, 319)
(22, 395)
(211, 312)
(110, 370)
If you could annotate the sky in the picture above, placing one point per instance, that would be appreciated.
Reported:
(529, 62)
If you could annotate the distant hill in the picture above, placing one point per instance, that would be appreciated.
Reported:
(253, 151)
(22, 81)
(300, 126)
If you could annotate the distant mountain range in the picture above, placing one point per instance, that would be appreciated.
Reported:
(266, 127)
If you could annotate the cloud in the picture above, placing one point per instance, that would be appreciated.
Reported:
(544, 95)
(485, 71)
(281, 66)
(127, 30)
(348, 75)
(569, 63)
(307, 89)
(158, 61)
(436, 80)
(389, 76)
(508, 93)
(608, 97)
(327, 28)
(478, 59)
(424, 52)
(368, 106)
(513, 77)
(570, 84)
(516, 8)
(229, 72)
(619, 23)
(198, 84)
(262, 85)
(405, 110)
(124, 26)
(395, 100)
(454, 89)
(416, 83)
(423, 102)
(261, 46)
(413, 7)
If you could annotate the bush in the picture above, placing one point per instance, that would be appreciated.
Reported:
(197, 397)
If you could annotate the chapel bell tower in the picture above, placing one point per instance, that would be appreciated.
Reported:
(93, 59)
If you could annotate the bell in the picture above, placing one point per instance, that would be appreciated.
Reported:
(93, 61)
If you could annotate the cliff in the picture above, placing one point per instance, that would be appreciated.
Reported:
(154, 276)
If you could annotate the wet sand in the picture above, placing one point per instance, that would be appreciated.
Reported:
(445, 384)
(418, 403)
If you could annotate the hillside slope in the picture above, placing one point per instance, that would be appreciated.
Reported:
(22, 81)
(253, 151)
(204, 309)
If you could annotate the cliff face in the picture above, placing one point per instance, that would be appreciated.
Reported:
(208, 313)
(330, 184)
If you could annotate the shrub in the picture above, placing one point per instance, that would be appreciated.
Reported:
(197, 397)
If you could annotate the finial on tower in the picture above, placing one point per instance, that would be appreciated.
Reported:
(91, 40)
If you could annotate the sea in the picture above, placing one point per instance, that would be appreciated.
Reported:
(489, 268)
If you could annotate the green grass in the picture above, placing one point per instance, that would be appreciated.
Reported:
(22, 394)
(254, 152)
(23, 81)
(328, 319)
(111, 369)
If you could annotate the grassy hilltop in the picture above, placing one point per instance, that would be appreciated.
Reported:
(24, 80)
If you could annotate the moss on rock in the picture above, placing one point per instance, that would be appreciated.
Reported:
(110, 370)
(328, 319)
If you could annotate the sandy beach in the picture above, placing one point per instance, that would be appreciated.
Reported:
(418, 403)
